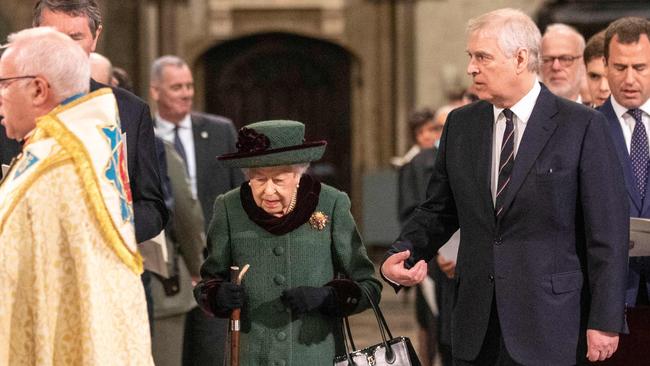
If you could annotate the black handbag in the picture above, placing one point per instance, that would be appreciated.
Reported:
(391, 351)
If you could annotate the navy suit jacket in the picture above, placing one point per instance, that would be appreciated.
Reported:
(638, 208)
(556, 259)
(148, 203)
(8, 148)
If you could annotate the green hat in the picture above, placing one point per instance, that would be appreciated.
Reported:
(273, 143)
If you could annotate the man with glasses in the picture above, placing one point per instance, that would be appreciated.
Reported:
(562, 69)
(70, 266)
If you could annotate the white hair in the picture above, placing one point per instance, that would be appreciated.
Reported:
(299, 169)
(101, 68)
(514, 30)
(444, 110)
(159, 65)
(54, 56)
(566, 29)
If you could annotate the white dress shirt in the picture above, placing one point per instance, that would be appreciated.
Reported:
(627, 122)
(165, 130)
(522, 111)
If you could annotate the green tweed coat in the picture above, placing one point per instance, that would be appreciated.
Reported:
(306, 256)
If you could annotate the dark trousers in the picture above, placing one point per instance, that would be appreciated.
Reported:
(493, 351)
(204, 342)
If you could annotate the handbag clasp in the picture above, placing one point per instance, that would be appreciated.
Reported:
(371, 360)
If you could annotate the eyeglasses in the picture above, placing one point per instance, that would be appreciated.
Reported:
(565, 60)
(5, 82)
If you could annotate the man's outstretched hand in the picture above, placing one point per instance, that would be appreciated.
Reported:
(393, 269)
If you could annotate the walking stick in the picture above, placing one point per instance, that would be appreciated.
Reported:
(236, 276)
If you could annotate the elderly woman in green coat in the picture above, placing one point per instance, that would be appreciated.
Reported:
(307, 261)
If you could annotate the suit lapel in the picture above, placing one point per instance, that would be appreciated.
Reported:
(483, 155)
(621, 152)
(539, 129)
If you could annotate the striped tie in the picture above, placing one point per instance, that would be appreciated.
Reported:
(506, 162)
(639, 152)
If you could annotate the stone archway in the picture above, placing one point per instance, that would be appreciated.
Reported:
(286, 76)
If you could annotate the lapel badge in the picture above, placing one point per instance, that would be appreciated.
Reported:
(204, 134)
(318, 220)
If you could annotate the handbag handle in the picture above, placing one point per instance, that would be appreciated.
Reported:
(383, 330)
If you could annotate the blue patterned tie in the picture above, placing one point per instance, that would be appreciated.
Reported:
(506, 161)
(639, 152)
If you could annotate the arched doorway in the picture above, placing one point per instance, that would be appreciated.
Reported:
(285, 76)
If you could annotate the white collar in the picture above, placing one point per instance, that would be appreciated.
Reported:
(524, 107)
(166, 125)
(620, 111)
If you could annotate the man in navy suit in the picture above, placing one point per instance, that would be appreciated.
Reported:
(533, 183)
(81, 20)
(627, 57)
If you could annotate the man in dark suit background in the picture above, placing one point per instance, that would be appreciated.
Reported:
(533, 183)
(81, 20)
(8, 148)
(199, 138)
(627, 58)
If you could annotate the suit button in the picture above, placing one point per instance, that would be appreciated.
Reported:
(281, 336)
(279, 280)
(498, 241)
(491, 278)
(278, 251)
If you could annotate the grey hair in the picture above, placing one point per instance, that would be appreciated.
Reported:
(55, 56)
(514, 30)
(566, 29)
(444, 110)
(299, 169)
(159, 65)
(78, 8)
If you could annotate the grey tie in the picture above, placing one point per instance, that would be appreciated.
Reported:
(178, 146)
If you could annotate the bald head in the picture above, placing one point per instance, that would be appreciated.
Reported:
(101, 68)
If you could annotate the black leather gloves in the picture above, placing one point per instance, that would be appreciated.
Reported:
(305, 299)
(339, 297)
(218, 297)
(227, 297)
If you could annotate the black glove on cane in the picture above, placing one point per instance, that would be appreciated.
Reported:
(228, 296)
(304, 299)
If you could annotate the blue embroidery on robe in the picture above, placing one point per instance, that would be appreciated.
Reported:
(116, 172)
(29, 161)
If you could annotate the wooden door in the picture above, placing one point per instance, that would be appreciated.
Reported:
(283, 76)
